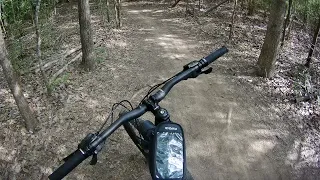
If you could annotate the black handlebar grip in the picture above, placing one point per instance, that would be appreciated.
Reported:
(73, 161)
(216, 54)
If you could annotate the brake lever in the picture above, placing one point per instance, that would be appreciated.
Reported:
(196, 74)
(94, 159)
(84, 146)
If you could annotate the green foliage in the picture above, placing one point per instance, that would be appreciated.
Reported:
(314, 9)
(309, 10)
(101, 54)
(18, 16)
(49, 35)
(15, 10)
(20, 56)
(61, 80)
(264, 4)
(18, 11)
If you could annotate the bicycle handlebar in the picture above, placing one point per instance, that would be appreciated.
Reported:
(161, 94)
(216, 54)
(133, 114)
(79, 155)
(73, 161)
(192, 71)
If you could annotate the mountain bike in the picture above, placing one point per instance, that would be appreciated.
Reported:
(161, 142)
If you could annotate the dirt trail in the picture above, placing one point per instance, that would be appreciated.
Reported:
(231, 132)
(232, 128)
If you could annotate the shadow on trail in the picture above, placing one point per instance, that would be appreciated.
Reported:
(231, 131)
(231, 145)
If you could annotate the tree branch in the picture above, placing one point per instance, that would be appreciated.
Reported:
(215, 7)
(54, 77)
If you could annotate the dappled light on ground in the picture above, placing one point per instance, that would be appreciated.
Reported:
(139, 11)
(5, 94)
(233, 130)
(6, 155)
(260, 147)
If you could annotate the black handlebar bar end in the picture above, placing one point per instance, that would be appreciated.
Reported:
(216, 54)
(73, 161)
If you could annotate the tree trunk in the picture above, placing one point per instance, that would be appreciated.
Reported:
(286, 23)
(108, 14)
(232, 19)
(189, 9)
(251, 7)
(54, 7)
(175, 3)
(290, 24)
(1, 18)
(36, 22)
(13, 81)
(270, 47)
(187, 6)
(117, 12)
(199, 5)
(102, 12)
(242, 4)
(313, 44)
(289, 27)
(86, 34)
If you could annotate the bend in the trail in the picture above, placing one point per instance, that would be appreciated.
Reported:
(231, 131)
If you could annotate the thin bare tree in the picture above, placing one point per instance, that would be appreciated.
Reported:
(117, 12)
(251, 7)
(26, 112)
(175, 3)
(233, 19)
(286, 23)
(2, 18)
(313, 43)
(38, 36)
(108, 11)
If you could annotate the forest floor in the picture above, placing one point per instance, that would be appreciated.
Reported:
(237, 126)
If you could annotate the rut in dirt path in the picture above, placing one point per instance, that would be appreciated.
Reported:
(231, 131)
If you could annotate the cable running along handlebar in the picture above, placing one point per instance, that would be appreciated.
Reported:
(92, 144)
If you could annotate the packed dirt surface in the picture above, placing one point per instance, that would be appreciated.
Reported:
(233, 129)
